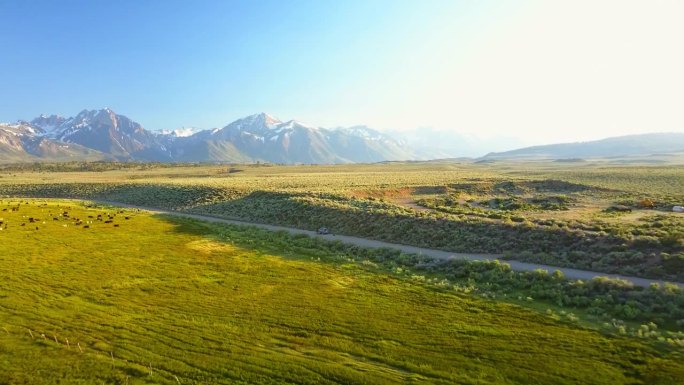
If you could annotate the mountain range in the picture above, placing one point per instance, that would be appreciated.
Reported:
(104, 135)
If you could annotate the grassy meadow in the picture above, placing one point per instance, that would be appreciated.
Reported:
(155, 299)
(598, 216)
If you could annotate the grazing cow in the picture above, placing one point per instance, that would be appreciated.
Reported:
(109, 221)
(127, 218)
(86, 227)
(116, 225)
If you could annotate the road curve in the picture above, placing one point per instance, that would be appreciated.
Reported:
(370, 243)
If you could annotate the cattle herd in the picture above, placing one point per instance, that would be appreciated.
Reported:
(62, 215)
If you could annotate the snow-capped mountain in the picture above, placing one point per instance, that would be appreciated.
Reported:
(104, 131)
(264, 137)
(23, 142)
(259, 137)
(12, 137)
(366, 145)
(47, 124)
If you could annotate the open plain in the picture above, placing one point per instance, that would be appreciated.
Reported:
(102, 294)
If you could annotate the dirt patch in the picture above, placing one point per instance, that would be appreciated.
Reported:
(410, 203)
(405, 197)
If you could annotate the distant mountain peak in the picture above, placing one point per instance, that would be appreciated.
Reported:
(95, 112)
(256, 123)
(268, 116)
(47, 124)
(46, 116)
(261, 118)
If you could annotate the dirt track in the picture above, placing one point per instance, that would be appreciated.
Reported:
(363, 242)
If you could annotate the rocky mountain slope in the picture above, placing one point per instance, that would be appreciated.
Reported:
(22, 142)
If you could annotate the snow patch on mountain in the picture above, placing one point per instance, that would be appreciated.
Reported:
(183, 132)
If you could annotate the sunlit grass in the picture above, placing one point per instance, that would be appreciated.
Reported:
(161, 300)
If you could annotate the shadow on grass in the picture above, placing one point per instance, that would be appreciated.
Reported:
(553, 245)
(602, 299)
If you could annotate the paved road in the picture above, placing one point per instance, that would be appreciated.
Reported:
(363, 242)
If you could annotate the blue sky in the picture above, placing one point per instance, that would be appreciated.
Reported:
(542, 71)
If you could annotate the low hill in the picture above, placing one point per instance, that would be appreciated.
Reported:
(621, 146)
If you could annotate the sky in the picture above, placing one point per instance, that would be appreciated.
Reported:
(535, 71)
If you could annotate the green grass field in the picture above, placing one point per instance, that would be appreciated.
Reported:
(163, 300)
(543, 212)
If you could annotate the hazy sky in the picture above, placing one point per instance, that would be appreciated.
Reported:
(545, 71)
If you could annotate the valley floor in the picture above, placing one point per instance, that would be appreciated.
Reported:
(162, 299)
